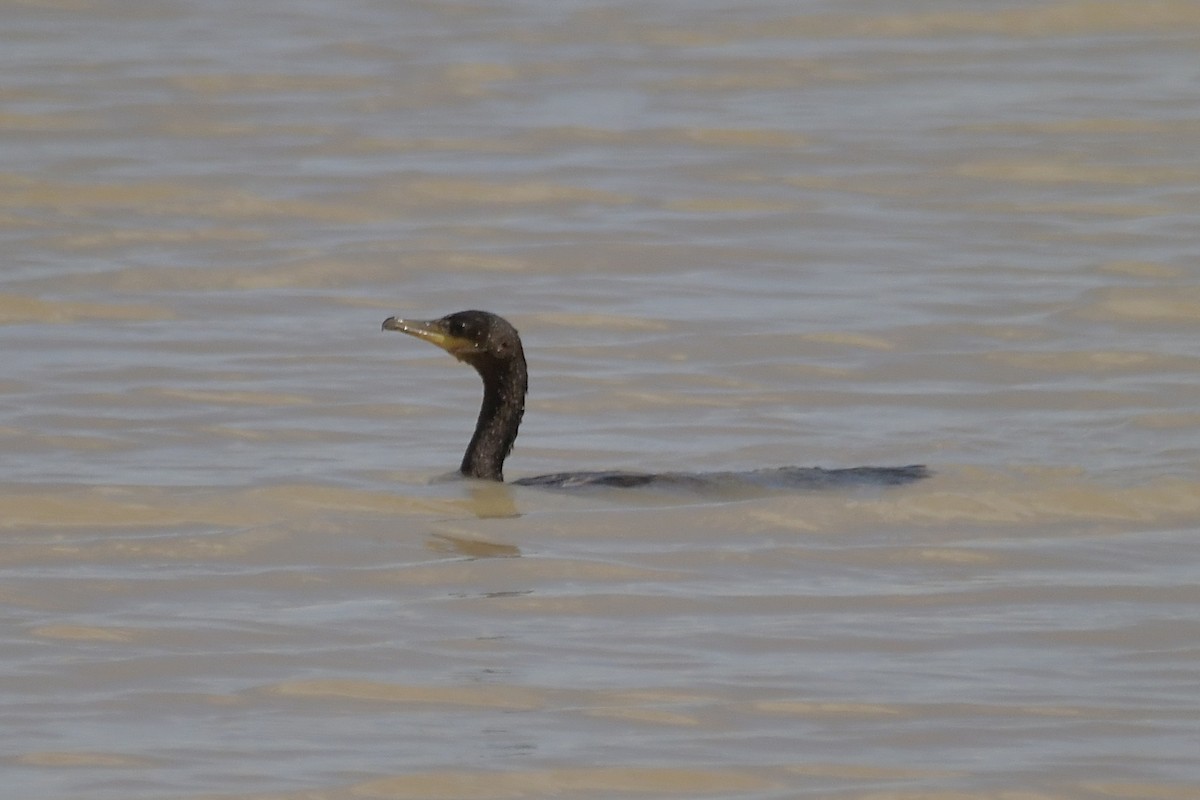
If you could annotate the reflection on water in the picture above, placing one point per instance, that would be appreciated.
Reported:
(820, 235)
(471, 548)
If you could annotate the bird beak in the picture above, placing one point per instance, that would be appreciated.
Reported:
(432, 331)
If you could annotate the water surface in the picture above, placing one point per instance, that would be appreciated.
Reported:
(818, 234)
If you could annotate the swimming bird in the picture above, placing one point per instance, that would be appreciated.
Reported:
(491, 345)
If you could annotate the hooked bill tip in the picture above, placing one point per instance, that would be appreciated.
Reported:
(390, 324)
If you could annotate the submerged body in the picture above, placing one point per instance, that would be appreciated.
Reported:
(491, 345)
(768, 478)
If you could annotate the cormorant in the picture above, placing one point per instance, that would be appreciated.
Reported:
(490, 344)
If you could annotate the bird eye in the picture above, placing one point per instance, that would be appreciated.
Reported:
(457, 327)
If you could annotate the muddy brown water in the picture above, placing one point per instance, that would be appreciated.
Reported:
(821, 234)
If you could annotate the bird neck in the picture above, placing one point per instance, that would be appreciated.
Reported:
(504, 387)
